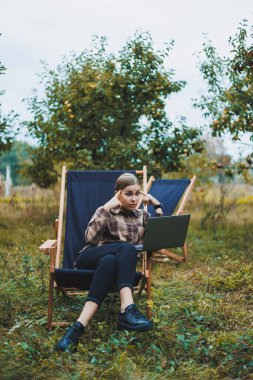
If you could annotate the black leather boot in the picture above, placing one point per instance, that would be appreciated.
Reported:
(71, 338)
(133, 320)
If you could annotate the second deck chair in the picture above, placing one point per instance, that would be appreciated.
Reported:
(86, 191)
(170, 192)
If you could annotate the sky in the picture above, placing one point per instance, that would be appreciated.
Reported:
(46, 30)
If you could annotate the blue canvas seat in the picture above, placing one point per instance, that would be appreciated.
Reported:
(80, 278)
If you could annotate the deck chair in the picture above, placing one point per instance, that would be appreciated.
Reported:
(86, 191)
(173, 194)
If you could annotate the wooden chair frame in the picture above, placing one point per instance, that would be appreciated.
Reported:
(53, 249)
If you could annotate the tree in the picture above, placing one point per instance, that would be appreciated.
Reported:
(106, 111)
(6, 128)
(6, 132)
(229, 102)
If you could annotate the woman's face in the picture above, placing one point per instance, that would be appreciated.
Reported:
(129, 197)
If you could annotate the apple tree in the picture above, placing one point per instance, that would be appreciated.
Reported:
(228, 104)
(108, 111)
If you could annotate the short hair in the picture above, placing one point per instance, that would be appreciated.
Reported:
(126, 179)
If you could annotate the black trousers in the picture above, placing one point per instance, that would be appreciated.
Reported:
(115, 263)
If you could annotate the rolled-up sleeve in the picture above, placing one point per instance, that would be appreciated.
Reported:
(97, 226)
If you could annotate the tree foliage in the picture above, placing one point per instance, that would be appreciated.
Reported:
(6, 128)
(108, 111)
(229, 101)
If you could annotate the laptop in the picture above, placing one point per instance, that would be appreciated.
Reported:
(165, 232)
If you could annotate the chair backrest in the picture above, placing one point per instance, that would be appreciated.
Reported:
(169, 193)
(86, 191)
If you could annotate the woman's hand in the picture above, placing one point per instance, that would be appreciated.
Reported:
(148, 199)
(114, 202)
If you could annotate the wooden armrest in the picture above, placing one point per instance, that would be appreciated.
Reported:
(47, 245)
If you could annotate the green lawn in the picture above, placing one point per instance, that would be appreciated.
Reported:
(203, 311)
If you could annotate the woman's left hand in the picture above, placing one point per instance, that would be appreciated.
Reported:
(148, 199)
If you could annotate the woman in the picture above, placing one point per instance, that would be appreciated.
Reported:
(112, 234)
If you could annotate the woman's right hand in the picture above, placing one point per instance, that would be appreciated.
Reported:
(114, 202)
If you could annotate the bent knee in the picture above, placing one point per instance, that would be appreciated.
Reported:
(108, 260)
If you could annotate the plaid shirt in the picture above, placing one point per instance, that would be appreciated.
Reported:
(116, 225)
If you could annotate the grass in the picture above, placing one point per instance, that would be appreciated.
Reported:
(202, 309)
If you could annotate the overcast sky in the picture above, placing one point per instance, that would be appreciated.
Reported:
(35, 30)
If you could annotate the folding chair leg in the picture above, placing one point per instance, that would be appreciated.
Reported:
(148, 275)
(185, 253)
(143, 281)
(63, 291)
(57, 289)
(51, 288)
(50, 301)
(141, 285)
